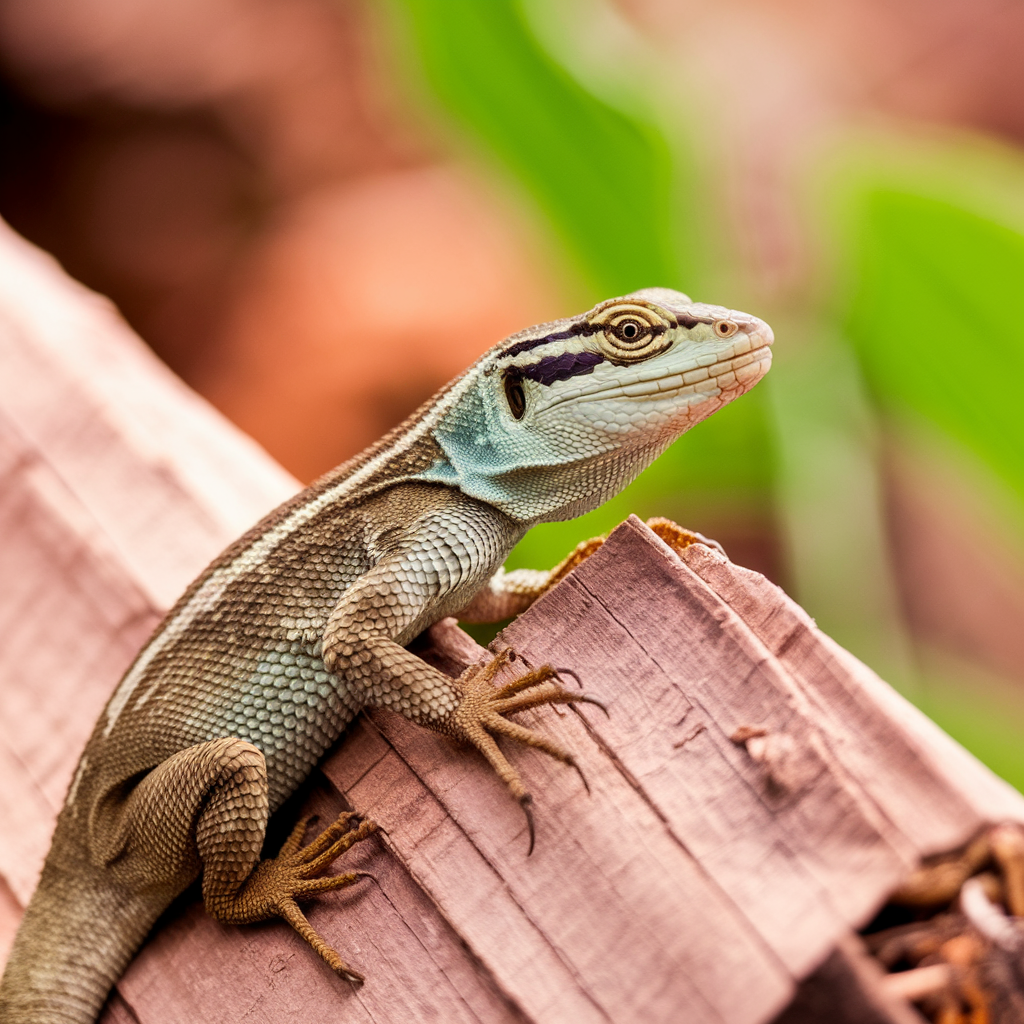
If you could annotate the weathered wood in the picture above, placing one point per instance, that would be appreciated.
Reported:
(696, 861)
(917, 775)
(796, 838)
(756, 791)
(197, 970)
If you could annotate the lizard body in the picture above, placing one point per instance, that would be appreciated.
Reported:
(271, 652)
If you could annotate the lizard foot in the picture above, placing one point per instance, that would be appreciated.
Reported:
(675, 536)
(480, 716)
(678, 537)
(275, 885)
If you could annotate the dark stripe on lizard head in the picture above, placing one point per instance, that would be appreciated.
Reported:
(554, 368)
(585, 329)
(532, 343)
(687, 320)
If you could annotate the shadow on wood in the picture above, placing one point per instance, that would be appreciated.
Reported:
(756, 793)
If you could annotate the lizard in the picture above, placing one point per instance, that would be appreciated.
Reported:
(259, 667)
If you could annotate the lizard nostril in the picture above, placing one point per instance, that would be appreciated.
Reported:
(725, 328)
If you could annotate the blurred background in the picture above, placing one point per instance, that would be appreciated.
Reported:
(318, 211)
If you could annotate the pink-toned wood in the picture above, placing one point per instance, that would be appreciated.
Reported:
(609, 919)
(920, 778)
(801, 854)
(197, 970)
(801, 840)
(71, 621)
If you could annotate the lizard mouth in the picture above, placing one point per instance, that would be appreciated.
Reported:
(739, 373)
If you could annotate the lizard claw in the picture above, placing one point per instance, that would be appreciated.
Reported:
(586, 699)
(569, 672)
(583, 778)
(480, 716)
(526, 802)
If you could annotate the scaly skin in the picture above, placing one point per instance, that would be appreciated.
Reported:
(257, 670)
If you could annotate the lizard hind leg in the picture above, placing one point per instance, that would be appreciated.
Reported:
(212, 800)
(274, 886)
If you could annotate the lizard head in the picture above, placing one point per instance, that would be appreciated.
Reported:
(558, 418)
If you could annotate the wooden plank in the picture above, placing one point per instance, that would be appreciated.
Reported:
(26, 824)
(921, 779)
(637, 923)
(633, 929)
(804, 853)
(71, 618)
(800, 844)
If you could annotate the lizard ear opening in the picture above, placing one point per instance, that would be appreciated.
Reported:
(515, 396)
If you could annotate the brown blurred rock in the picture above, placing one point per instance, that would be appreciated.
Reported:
(292, 80)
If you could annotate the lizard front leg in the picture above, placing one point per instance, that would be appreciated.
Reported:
(205, 808)
(392, 603)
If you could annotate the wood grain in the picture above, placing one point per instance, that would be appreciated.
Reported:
(915, 773)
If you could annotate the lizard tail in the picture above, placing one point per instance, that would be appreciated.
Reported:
(75, 940)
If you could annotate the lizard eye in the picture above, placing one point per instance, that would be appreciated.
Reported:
(725, 328)
(515, 396)
(629, 332)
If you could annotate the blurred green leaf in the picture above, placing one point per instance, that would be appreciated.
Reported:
(936, 316)
(603, 179)
(987, 720)
(938, 321)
